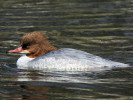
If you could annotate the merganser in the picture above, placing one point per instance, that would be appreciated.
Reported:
(40, 54)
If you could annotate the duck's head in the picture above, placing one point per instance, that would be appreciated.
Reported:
(34, 44)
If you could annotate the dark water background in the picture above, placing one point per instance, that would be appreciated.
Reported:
(100, 27)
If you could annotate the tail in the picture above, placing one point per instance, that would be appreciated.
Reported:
(122, 65)
(114, 64)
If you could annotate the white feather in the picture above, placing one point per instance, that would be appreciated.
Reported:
(67, 59)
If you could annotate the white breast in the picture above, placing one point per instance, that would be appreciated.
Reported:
(23, 62)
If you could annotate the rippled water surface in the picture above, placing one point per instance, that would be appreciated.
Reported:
(103, 28)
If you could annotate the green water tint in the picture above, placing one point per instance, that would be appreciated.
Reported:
(103, 28)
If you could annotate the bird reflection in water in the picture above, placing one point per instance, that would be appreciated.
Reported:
(33, 89)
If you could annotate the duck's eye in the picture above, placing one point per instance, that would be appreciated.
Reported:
(25, 46)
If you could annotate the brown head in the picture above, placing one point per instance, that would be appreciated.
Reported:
(34, 44)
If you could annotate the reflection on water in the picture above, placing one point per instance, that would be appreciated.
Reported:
(74, 85)
(100, 27)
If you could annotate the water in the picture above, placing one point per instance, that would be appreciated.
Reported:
(103, 28)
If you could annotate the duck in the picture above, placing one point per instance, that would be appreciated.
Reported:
(41, 55)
